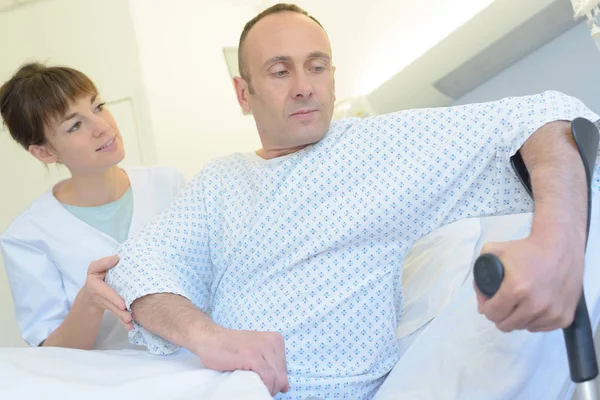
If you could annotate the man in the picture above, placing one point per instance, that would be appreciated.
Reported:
(288, 261)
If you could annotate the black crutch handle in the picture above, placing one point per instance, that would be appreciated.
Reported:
(488, 270)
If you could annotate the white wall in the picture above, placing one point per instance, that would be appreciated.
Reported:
(195, 115)
(570, 63)
(373, 40)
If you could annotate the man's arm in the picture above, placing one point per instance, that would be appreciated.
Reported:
(544, 272)
(165, 275)
(176, 319)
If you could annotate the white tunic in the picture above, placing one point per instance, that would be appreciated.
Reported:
(47, 251)
(312, 244)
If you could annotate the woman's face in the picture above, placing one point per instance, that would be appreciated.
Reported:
(86, 139)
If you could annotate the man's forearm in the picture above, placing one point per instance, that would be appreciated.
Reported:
(175, 319)
(558, 182)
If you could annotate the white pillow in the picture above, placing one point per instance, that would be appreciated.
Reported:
(436, 267)
(434, 270)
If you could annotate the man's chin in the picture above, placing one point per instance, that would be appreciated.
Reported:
(313, 133)
(309, 138)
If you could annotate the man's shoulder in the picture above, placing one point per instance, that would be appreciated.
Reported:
(224, 163)
(218, 166)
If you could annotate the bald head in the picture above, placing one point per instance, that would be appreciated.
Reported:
(273, 10)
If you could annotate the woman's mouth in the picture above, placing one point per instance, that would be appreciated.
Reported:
(107, 144)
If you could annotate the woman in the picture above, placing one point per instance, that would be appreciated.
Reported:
(58, 116)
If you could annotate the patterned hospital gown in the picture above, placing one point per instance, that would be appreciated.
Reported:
(312, 244)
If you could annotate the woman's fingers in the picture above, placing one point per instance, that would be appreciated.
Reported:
(104, 264)
(124, 316)
(103, 291)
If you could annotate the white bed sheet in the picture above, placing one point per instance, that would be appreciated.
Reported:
(67, 374)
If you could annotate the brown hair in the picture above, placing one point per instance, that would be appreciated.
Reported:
(37, 94)
(277, 8)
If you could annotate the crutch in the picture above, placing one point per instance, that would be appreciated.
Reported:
(489, 272)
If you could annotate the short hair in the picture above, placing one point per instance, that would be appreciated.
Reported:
(276, 9)
(37, 94)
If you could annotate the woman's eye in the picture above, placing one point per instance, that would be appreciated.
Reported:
(100, 107)
(75, 127)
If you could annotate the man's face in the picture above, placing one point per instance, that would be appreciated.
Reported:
(291, 89)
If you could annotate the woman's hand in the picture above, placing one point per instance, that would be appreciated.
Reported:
(100, 296)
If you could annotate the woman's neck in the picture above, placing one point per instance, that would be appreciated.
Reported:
(91, 190)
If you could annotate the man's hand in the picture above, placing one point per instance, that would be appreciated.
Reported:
(100, 296)
(542, 283)
(261, 352)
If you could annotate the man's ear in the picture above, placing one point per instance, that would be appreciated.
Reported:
(242, 91)
(43, 153)
(333, 74)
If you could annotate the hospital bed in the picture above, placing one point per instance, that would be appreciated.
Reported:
(441, 358)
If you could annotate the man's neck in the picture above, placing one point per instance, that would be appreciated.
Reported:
(275, 153)
(91, 190)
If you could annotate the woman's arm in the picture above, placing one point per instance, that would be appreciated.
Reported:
(42, 309)
(80, 328)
